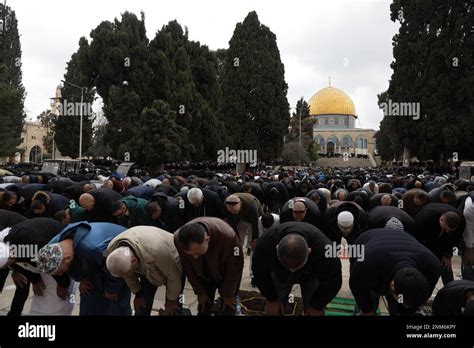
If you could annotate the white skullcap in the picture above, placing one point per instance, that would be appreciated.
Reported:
(345, 219)
(194, 196)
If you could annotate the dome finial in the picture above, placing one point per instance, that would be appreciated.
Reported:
(329, 81)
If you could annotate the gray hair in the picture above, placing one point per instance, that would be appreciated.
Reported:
(119, 260)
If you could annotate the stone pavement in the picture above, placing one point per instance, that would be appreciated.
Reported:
(190, 300)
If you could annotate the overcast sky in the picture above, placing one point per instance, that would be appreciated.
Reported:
(349, 40)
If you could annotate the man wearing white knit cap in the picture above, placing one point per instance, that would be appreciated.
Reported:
(195, 196)
(345, 222)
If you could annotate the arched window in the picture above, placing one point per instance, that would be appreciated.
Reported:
(361, 142)
(346, 141)
(35, 154)
(319, 140)
(334, 140)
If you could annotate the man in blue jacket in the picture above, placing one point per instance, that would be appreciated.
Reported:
(79, 250)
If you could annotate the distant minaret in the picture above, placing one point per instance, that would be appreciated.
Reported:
(56, 101)
(329, 81)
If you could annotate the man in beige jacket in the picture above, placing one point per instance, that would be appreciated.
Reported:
(146, 258)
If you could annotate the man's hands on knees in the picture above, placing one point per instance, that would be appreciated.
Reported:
(62, 292)
(38, 288)
(85, 286)
(19, 279)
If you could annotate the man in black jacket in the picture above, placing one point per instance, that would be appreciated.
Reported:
(395, 265)
(440, 227)
(46, 204)
(275, 196)
(301, 209)
(254, 189)
(7, 220)
(443, 194)
(455, 299)
(164, 212)
(199, 202)
(382, 199)
(381, 215)
(98, 203)
(32, 234)
(344, 219)
(295, 253)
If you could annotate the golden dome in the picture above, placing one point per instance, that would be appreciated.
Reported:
(331, 101)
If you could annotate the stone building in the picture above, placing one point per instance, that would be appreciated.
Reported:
(334, 128)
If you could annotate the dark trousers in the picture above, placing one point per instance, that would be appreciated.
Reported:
(447, 276)
(3, 277)
(20, 297)
(467, 271)
(96, 304)
(394, 308)
(308, 288)
(149, 292)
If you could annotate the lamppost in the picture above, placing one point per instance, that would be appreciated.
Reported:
(80, 123)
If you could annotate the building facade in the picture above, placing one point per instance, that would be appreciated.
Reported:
(334, 127)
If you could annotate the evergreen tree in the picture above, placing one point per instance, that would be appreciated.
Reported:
(433, 54)
(11, 110)
(118, 67)
(188, 82)
(159, 139)
(67, 124)
(255, 106)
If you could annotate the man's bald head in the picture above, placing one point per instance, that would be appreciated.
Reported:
(341, 195)
(108, 184)
(89, 187)
(299, 211)
(386, 200)
(127, 182)
(86, 201)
